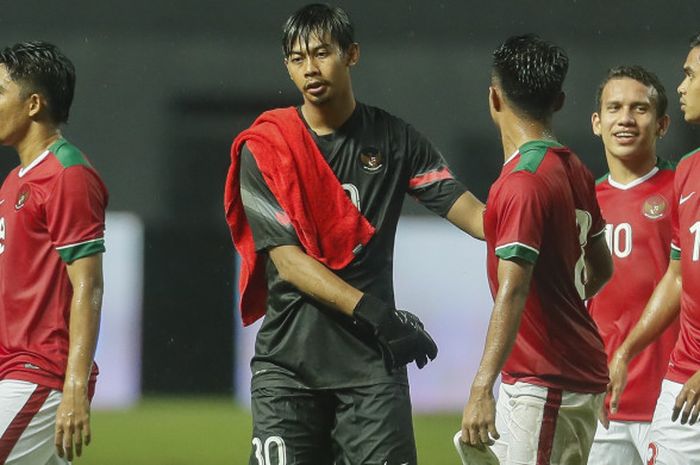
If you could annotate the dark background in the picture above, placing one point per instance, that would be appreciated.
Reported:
(163, 87)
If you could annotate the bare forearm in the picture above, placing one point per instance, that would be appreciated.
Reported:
(508, 308)
(467, 213)
(663, 307)
(84, 328)
(503, 328)
(315, 280)
(86, 278)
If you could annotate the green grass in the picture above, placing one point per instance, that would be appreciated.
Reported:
(202, 431)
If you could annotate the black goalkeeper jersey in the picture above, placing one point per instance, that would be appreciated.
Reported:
(377, 158)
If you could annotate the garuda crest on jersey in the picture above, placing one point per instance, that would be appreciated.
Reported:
(371, 159)
(22, 197)
(655, 207)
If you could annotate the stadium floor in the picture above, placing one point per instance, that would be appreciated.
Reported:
(214, 431)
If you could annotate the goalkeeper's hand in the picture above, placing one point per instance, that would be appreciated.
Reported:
(401, 335)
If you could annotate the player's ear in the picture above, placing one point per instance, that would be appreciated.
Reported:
(662, 126)
(495, 99)
(595, 123)
(353, 54)
(559, 101)
(35, 104)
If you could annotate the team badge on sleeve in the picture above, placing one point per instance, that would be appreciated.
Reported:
(655, 207)
(371, 159)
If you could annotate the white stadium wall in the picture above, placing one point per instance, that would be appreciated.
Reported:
(119, 346)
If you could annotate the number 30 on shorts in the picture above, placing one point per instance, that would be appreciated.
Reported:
(262, 450)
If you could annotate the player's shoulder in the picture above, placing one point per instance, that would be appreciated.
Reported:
(689, 158)
(602, 181)
(373, 115)
(664, 164)
(533, 153)
(68, 155)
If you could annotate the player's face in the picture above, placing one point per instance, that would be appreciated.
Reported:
(627, 120)
(320, 70)
(14, 110)
(689, 89)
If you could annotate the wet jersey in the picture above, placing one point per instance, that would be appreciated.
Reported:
(638, 233)
(542, 210)
(377, 158)
(52, 213)
(685, 246)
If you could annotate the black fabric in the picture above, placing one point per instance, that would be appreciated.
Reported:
(365, 425)
(301, 343)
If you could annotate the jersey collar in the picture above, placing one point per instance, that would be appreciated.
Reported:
(509, 159)
(636, 182)
(36, 161)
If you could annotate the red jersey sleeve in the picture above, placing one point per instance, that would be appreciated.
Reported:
(75, 213)
(521, 213)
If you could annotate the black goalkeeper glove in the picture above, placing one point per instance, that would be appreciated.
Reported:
(400, 334)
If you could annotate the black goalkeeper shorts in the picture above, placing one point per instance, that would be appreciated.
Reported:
(369, 425)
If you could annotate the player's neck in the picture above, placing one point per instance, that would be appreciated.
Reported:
(325, 118)
(519, 131)
(625, 171)
(37, 140)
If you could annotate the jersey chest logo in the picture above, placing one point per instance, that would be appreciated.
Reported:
(22, 197)
(655, 207)
(371, 159)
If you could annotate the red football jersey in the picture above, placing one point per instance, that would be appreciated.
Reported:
(638, 232)
(685, 357)
(542, 209)
(51, 213)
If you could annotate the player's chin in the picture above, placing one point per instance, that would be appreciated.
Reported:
(318, 99)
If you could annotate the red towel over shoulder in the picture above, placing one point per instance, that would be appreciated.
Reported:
(329, 227)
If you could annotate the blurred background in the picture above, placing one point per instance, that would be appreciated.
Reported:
(164, 86)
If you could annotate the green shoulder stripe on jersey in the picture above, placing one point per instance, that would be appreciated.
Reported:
(603, 178)
(68, 154)
(70, 253)
(675, 253)
(516, 250)
(664, 164)
(690, 154)
(532, 154)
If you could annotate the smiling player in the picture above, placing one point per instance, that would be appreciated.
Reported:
(635, 200)
(674, 437)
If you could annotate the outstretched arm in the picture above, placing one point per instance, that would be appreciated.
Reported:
(467, 213)
(662, 308)
(73, 414)
(479, 417)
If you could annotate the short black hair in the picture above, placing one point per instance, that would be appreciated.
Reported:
(42, 68)
(641, 75)
(317, 19)
(531, 72)
(695, 40)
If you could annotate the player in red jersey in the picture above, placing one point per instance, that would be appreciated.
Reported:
(52, 210)
(635, 199)
(546, 253)
(674, 438)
